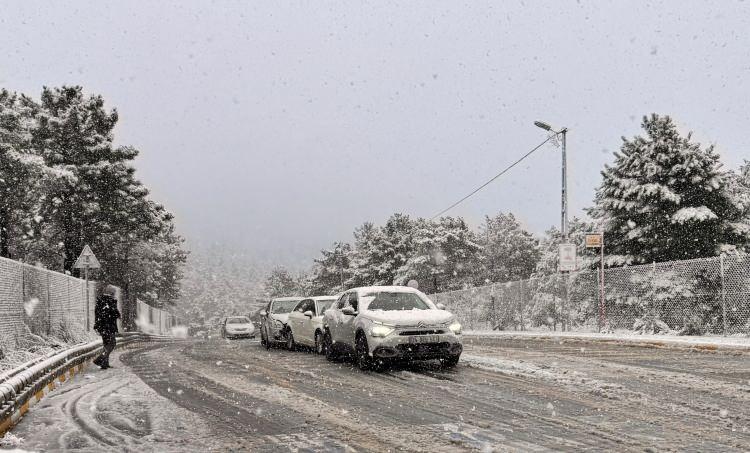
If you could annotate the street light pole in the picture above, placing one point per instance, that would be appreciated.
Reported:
(564, 209)
(564, 206)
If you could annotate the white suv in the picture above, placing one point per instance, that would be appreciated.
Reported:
(379, 324)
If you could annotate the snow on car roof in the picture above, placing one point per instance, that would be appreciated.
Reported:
(317, 298)
(286, 299)
(395, 289)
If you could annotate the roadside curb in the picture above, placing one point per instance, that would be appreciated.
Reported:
(25, 386)
(700, 344)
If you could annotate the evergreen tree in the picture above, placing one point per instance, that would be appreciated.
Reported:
(508, 251)
(280, 283)
(332, 270)
(380, 251)
(364, 256)
(664, 198)
(74, 132)
(738, 189)
(393, 248)
(22, 175)
(444, 255)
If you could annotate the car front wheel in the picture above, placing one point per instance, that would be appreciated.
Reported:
(290, 344)
(266, 341)
(331, 354)
(450, 362)
(364, 360)
(319, 344)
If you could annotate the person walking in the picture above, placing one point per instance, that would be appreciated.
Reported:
(105, 323)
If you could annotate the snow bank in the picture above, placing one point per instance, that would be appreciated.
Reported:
(696, 342)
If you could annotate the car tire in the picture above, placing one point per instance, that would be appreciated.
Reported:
(290, 344)
(331, 354)
(450, 361)
(267, 343)
(362, 353)
(320, 346)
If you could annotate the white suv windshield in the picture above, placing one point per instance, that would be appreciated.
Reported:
(324, 305)
(391, 301)
(283, 306)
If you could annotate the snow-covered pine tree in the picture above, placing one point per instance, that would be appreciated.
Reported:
(508, 251)
(663, 199)
(280, 283)
(365, 255)
(444, 255)
(22, 175)
(74, 132)
(738, 188)
(331, 271)
(380, 251)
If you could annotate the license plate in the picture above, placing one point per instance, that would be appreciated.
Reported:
(424, 339)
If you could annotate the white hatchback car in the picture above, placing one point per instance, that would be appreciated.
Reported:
(379, 324)
(306, 323)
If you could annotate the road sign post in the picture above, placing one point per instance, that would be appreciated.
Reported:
(87, 260)
(568, 263)
(596, 240)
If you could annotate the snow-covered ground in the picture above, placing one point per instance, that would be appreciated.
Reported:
(108, 410)
(700, 342)
(508, 393)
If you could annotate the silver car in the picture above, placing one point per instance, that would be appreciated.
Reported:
(274, 320)
(237, 327)
(379, 324)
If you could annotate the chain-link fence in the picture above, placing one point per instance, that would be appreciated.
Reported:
(38, 303)
(692, 297)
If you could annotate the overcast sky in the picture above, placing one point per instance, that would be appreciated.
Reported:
(276, 128)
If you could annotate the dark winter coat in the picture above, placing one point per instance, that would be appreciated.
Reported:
(106, 314)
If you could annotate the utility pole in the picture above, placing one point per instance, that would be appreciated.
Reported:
(564, 220)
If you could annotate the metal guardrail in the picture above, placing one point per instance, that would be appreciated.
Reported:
(20, 385)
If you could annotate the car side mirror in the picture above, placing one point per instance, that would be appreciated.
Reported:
(349, 311)
(263, 313)
(440, 306)
(308, 313)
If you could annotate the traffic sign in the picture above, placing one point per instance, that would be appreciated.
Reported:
(568, 260)
(87, 259)
(594, 240)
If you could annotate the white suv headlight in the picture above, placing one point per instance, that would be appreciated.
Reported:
(455, 327)
(379, 330)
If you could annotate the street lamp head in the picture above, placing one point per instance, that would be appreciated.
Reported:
(543, 125)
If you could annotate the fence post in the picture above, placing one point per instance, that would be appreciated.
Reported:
(723, 295)
(653, 289)
(49, 305)
(521, 307)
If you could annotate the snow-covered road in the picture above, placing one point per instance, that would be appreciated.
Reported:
(506, 394)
